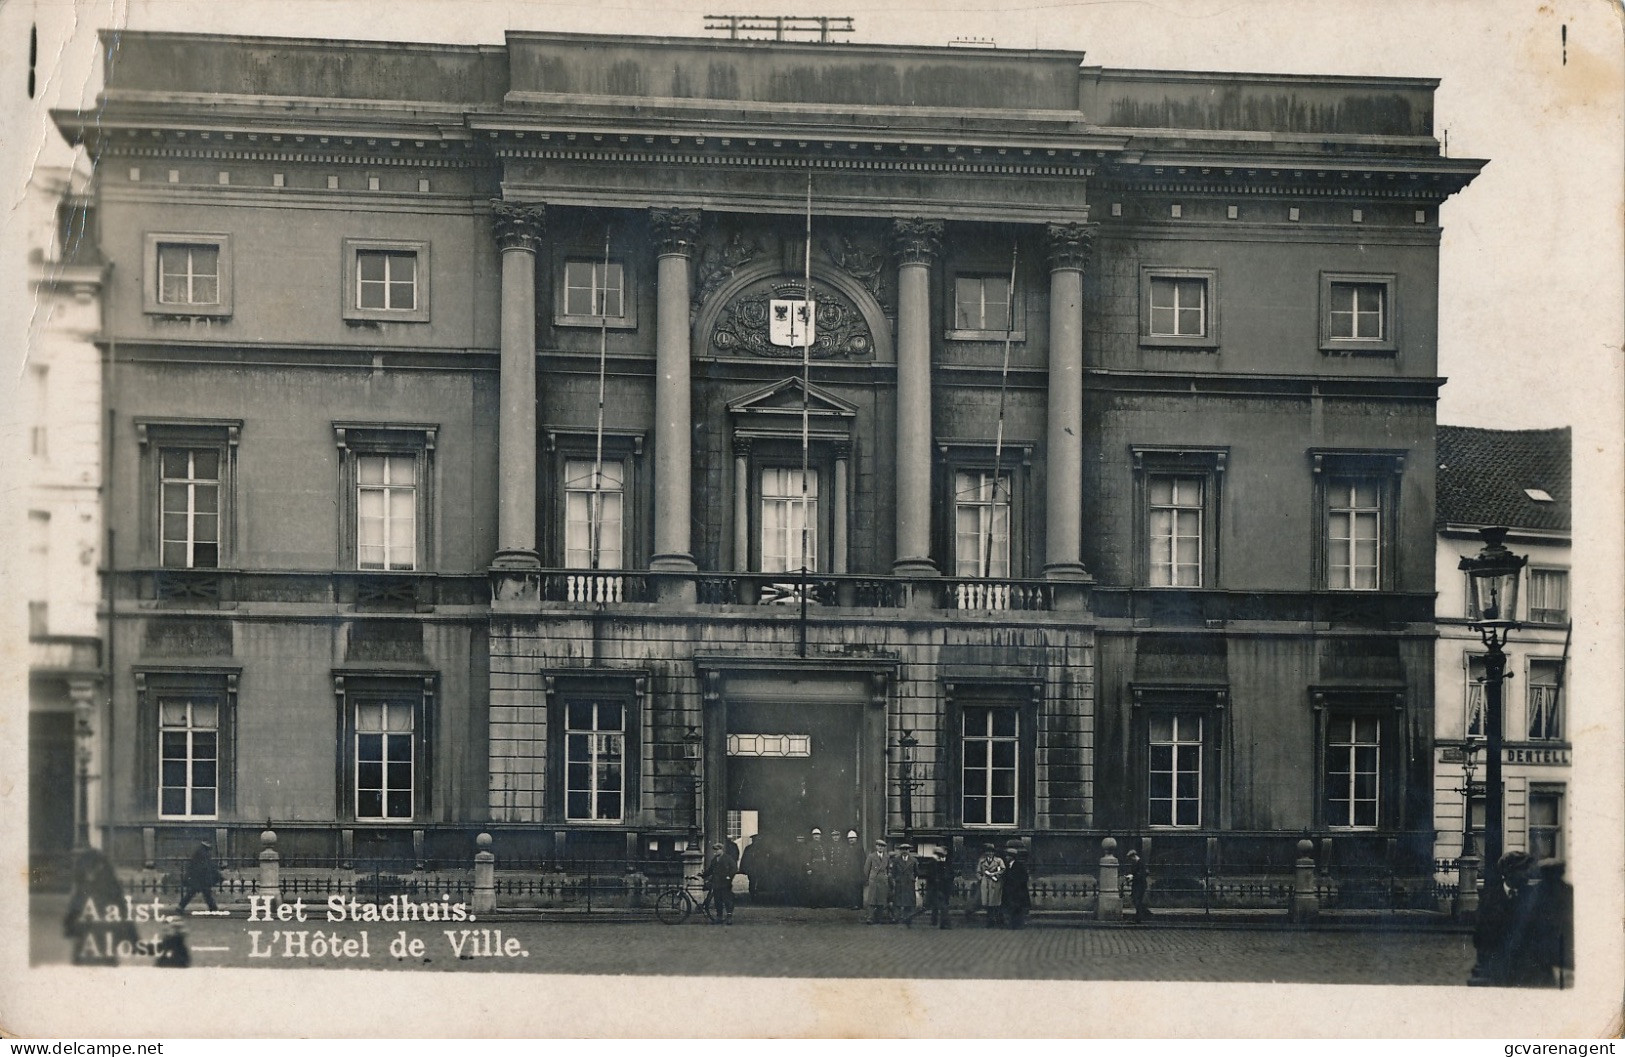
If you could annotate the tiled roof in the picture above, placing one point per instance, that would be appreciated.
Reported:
(1483, 474)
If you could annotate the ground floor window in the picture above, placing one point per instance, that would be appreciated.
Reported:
(594, 761)
(189, 755)
(990, 774)
(1174, 778)
(387, 745)
(1353, 770)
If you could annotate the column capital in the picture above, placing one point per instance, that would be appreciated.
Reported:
(916, 240)
(1068, 245)
(675, 230)
(516, 226)
(741, 446)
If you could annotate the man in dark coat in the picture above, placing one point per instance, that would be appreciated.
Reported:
(939, 889)
(1017, 897)
(903, 872)
(200, 876)
(876, 883)
(719, 881)
(1138, 876)
(751, 862)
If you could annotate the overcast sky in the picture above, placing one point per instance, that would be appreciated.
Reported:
(1530, 311)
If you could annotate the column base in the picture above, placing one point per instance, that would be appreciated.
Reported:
(516, 577)
(914, 567)
(671, 579)
(1066, 571)
(516, 559)
(672, 563)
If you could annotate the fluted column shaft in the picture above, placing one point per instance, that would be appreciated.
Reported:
(918, 245)
(519, 231)
(1068, 246)
(674, 233)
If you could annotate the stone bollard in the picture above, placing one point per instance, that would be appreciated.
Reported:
(1467, 888)
(485, 876)
(1108, 900)
(1305, 900)
(693, 867)
(636, 883)
(270, 885)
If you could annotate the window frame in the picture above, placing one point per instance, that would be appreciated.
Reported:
(561, 688)
(1150, 462)
(778, 453)
(156, 436)
(1208, 339)
(578, 254)
(421, 287)
(1554, 791)
(1025, 700)
(152, 684)
(1209, 703)
(1382, 468)
(1554, 666)
(357, 439)
(152, 302)
(1385, 708)
(1388, 343)
(564, 446)
(1018, 308)
(355, 687)
(1469, 662)
(967, 456)
(1562, 615)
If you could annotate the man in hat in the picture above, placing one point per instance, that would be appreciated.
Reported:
(1138, 876)
(817, 872)
(939, 888)
(904, 870)
(719, 881)
(990, 884)
(1017, 897)
(200, 876)
(876, 883)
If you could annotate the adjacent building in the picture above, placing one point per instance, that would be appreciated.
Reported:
(477, 463)
(1519, 480)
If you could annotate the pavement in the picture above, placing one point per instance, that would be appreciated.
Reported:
(798, 943)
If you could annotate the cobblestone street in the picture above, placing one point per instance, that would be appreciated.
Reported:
(822, 944)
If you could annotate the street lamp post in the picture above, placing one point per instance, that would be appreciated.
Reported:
(692, 743)
(906, 745)
(1468, 862)
(1493, 579)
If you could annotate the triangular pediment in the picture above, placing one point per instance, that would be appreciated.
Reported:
(785, 398)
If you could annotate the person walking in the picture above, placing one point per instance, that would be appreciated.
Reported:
(719, 881)
(990, 885)
(1138, 875)
(876, 883)
(1016, 896)
(939, 889)
(200, 876)
(904, 870)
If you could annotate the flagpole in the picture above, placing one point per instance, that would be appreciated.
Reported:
(998, 436)
(806, 383)
(595, 528)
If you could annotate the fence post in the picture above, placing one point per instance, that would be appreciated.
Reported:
(485, 876)
(1305, 900)
(1108, 900)
(1467, 887)
(270, 884)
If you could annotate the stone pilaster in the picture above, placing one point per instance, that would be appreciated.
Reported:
(918, 243)
(1068, 246)
(674, 232)
(519, 230)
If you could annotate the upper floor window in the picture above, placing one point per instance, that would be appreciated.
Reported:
(187, 275)
(1357, 313)
(387, 496)
(386, 281)
(1474, 722)
(1356, 493)
(1548, 596)
(981, 523)
(188, 473)
(594, 505)
(1176, 515)
(594, 292)
(982, 303)
(1545, 721)
(1177, 307)
(789, 519)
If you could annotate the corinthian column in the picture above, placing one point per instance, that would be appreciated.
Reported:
(1068, 246)
(918, 243)
(519, 230)
(674, 231)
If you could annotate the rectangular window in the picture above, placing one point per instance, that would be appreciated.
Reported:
(1548, 596)
(990, 772)
(594, 761)
(1174, 778)
(594, 289)
(1545, 719)
(189, 514)
(981, 523)
(1353, 534)
(982, 302)
(1545, 824)
(1353, 761)
(789, 520)
(1178, 307)
(386, 280)
(594, 504)
(188, 274)
(1174, 523)
(386, 511)
(385, 758)
(188, 755)
(1475, 727)
(1358, 311)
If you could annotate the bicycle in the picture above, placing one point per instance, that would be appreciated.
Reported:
(674, 905)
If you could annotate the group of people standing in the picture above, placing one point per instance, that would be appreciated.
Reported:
(1003, 886)
(1524, 936)
(811, 870)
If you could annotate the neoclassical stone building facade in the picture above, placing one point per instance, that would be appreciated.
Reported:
(479, 464)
